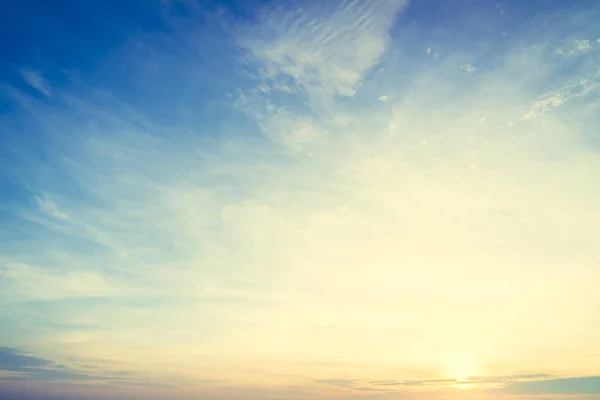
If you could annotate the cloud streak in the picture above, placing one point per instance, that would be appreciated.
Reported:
(22, 366)
(577, 386)
(36, 81)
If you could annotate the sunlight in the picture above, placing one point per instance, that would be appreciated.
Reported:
(462, 366)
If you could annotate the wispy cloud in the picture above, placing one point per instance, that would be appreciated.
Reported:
(351, 214)
(573, 386)
(22, 366)
(36, 81)
(469, 68)
(479, 380)
(559, 96)
(338, 382)
(319, 52)
(324, 48)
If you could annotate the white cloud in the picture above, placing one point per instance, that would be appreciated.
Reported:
(582, 45)
(558, 97)
(470, 68)
(36, 81)
(49, 208)
(42, 283)
(576, 47)
(324, 48)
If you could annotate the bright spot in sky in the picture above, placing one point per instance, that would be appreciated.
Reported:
(462, 366)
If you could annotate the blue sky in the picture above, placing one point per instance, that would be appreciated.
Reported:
(342, 199)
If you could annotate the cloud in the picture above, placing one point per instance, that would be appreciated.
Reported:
(318, 52)
(414, 382)
(473, 380)
(558, 97)
(582, 45)
(49, 208)
(469, 68)
(324, 49)
(22, 366)
(338, 382)
(509, 378)
(57, 284)
(36, 81)
(14, 360)
(313, 229)
(572, 386)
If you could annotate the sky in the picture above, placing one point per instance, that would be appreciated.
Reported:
(342, 199)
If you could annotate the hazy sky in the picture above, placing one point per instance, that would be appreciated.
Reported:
(341, 199)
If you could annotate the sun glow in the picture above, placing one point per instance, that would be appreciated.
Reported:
(465, 386)
(462, 367)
